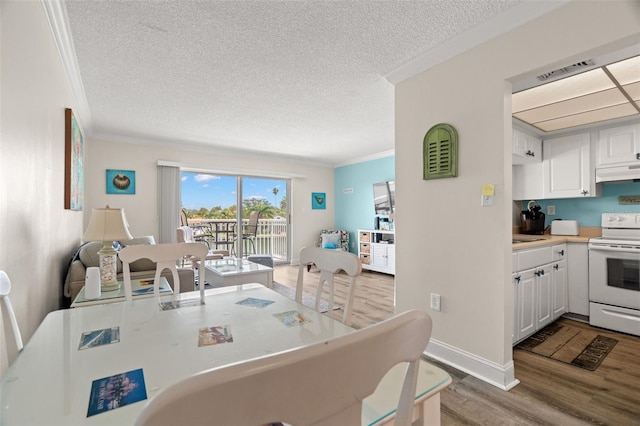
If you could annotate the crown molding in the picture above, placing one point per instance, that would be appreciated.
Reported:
(56, 14)
(371, 157)
(205, 148)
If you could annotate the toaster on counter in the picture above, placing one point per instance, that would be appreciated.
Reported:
(565, 227)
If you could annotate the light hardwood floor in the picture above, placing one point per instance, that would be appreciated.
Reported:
(549, 393)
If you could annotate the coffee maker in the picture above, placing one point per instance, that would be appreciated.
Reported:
(532, 219)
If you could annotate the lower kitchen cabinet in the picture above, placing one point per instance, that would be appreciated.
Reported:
(559, 288)
(540, 293)
(544, 287)
(525, 309)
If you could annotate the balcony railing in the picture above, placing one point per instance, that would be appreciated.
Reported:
(271, 236)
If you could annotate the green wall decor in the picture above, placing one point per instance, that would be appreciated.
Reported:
(440, 152)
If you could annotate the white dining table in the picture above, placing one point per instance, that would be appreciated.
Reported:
(50, 382)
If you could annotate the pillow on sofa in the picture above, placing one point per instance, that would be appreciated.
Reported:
(89, 254)
(140, 264)
(331, 241)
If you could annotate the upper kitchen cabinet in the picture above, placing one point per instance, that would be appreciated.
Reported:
(526, 148)
(567, 169)
(527, 181)
(619, 146)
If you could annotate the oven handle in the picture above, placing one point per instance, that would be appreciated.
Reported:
(627, 249)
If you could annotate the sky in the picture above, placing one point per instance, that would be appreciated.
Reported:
(204, 190)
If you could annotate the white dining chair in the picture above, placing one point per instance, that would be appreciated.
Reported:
(320, 384)
(166, 256)
(5, 289)
(329, 262)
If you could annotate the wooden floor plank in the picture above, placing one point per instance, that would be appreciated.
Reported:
(550, 392)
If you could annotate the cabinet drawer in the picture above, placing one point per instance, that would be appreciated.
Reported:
(365, 259)
(365, 236)
(365, 248)
(559, 252)
(534, 257)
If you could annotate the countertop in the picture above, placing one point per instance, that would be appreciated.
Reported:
(548, 239)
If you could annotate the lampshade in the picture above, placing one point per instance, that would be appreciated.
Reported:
(107, 224)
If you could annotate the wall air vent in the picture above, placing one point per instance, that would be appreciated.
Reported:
(566, 70)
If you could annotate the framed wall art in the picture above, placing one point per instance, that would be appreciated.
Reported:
(121, 181)
(318, 200)
(73, 163)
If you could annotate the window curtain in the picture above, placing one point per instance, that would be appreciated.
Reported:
(169, 199)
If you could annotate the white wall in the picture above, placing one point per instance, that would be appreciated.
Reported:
(447, 243)
(141, 208)
(37, 235)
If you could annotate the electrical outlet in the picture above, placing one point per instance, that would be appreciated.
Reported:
(551, 210)
(435, 301)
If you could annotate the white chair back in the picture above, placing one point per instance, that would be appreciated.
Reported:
(329, 262)
(5, 289)
(321, 384)
(166, 256)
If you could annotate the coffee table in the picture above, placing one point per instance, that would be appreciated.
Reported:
(234, 271)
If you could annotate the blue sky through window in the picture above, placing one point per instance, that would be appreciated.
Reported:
(206, 190)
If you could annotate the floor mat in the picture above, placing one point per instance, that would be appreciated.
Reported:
(582, 348)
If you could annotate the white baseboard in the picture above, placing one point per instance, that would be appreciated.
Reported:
(501, 376)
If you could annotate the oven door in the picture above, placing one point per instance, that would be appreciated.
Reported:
(614, 275)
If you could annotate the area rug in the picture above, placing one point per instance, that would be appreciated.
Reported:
(582, 348)
(307, 300)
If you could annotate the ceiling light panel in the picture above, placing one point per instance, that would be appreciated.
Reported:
(590, 117)
(633, 90)
(573, 106)
(572, 87)
(627, 71)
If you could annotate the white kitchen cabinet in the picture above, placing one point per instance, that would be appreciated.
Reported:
(527, 182)
(539, 289)
(578, 278)
(544, 286)
(567, 170)
(619, 146)
(525, 309)
(559, 289)
(527, 148)
(377, 250)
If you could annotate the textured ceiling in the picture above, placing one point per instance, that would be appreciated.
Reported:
(299, 78)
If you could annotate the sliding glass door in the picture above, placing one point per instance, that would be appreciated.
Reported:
(222, 206)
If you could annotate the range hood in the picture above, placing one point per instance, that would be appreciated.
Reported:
(618, 173)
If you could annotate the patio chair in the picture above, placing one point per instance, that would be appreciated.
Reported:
(200, 233)
(329, 262)
(324, 383)
(185, 235)
(249, 232)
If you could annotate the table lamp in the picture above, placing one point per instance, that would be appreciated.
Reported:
(107, 225)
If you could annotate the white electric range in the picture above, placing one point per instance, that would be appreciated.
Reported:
(614, 274)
